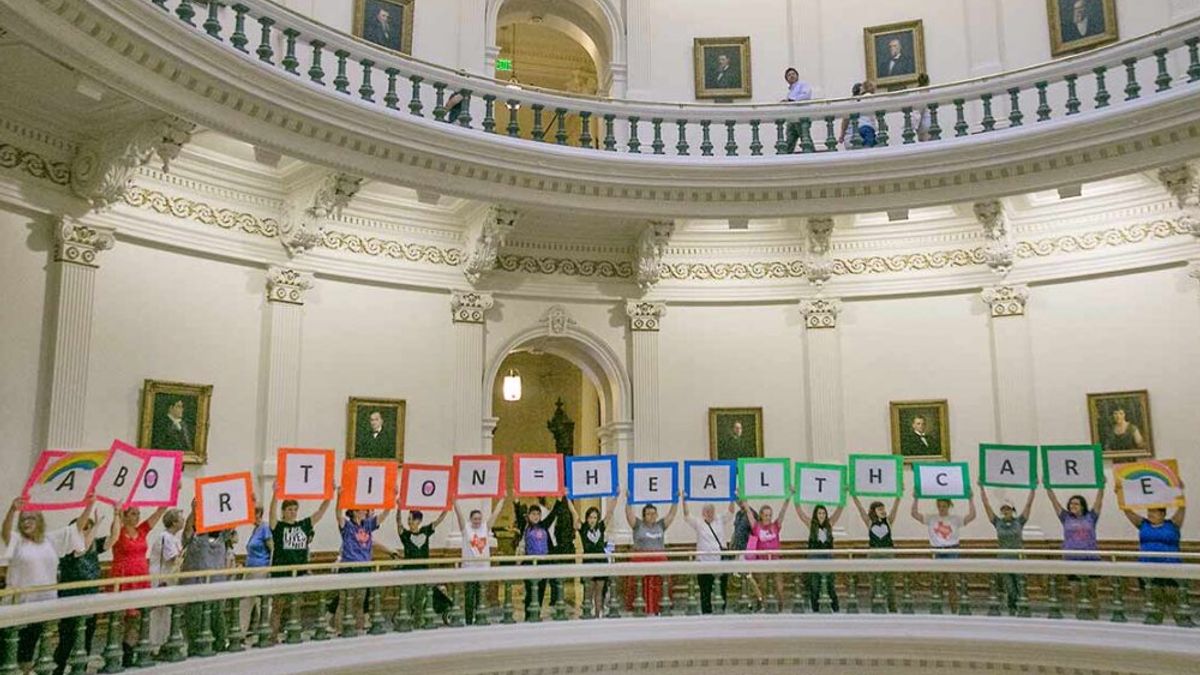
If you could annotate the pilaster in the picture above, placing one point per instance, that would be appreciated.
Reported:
(823, 373)
(468, 311)
(73, 274)
(285, 291)
(1012, 364)
(644, 320)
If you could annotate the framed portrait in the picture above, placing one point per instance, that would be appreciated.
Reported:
(1120, 423)
(895, 53)
(1079, 25)
(375, 429)
(385, 23)
(175, 417)
(920, 430)
(722, 67)
(734, 433)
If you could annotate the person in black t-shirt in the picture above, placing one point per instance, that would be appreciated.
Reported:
(78, 566)
(592, 536)
(414, 539)
(290, 537)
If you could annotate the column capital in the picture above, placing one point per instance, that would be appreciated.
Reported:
(470, 306)
(1006, 300)
(820, 312)
(645, 315)
(78, 244)
(288, 285)
(102, 169)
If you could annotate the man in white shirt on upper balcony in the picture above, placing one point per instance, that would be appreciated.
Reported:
(797, 91)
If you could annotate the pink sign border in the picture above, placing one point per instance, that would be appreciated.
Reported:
(178, 478)
(45, 458)
(124, 447)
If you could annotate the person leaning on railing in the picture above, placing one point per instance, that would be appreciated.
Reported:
(33, 556)
(1158, 534)
(129, 542)
(866, 128)
(797, 91)
(1010, 533)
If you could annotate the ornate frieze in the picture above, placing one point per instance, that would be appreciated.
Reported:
(1006, 300)
(1000, 250)
(78, 244)
(820, 312)
(570, 267)
(470, 306)
(188, 209)
(285, 284)
(12, 157)
(645, 315)
(308, 210)
(484, 239)
(102, 169)
(1183, 183)
(819, 265)
(651, 244)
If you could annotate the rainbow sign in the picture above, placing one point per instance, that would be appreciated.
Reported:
(1150, 484)
(62, 480)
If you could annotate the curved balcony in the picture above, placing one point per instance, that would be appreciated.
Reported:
(276, 79)
(896, 615)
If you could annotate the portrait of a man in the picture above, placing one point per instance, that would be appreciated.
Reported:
(175, 417)
(1076, 25)
(920, 430)
(375, 429)
(1120, 423)
(386, 23)
(895, 53)
(722, 67)
(735, 432)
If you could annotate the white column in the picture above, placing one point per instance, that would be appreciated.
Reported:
(639, 30)
(644, 318)
(983, 26)
(73, 275)
(472, 38)
(468, 309)
(616, 438)
(1012, 364)
(285, 318)
(823, 361)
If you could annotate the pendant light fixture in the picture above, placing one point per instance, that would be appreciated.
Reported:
(512, 385)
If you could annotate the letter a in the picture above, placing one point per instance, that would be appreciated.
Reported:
(1007, 467)
(68, 482)
(710, 482)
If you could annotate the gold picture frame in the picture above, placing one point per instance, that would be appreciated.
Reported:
(1096, 25)
(722, 67)
(725, 441)
(388, 443)
(1134, 439)
(907, 439)
(394, 33)
(894, 53)
(160, 428)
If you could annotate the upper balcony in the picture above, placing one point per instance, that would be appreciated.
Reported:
(268, 76)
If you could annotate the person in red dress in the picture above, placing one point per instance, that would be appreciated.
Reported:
(128, 543)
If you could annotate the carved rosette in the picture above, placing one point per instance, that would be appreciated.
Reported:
(651, 245)
(644, 315)
(307, 211)
(1000, 250)
(101, 170)
(557, 321)
(1183, 183)
(1006, 300)
(78, 244)
(818, 267)
(485, 239)
(285, 284)
(820, 312)
(470, 306)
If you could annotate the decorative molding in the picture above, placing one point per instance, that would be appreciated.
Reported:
(336, 240)
(307, 210)
(819, 264)
(820, 312)
(285, 284)
(484, 239)
(529, 264)
(470, 306)
(78, 244)
(1111, 237)
(12, 157)
(999, 251)
(1183, 182)
(102, 169)
(734, 271)
(651, 244)
(909, 262)
(1006, 300)
(182, 207)
(645, 315)
(557, 320)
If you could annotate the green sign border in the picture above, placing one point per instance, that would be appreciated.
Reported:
(917, 492)
(1099, 459)
(852, 480)
(840, 468)
(1033, 464)
(741, 476)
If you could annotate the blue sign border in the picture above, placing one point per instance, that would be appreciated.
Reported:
(673, 466)
(612, 467)
(687, 479)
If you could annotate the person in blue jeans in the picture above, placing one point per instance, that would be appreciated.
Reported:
(357, 527)
(536, 540)
(1158, 534)
(258, 554)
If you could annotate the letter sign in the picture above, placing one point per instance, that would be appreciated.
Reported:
(1072, 466)
(224, 502)
(876, 475)
(304, 473)
(160, 481)
(538, 475)
(479, 476)
(820, 484)
(1010, 466)
(368, 484)
(940, 480)
(62, 480)
(121, 474)
(709, 481)
(653, 482)
(764, 478)
(425, 487)
(592, 476)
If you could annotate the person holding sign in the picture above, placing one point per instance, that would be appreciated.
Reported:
(414, 540)
(592, 534)
(650, 545)
(764, 536)
(79, 565)
(820, 537)
(202, 552)
(291, 537)
(945, 528)
(1079, 523)
(1010, 533)
(357, 529)
(879, 520)
(476, 550)
(1158, 534)
(127, 540)
(33, 555)
(166, 551)
(711, 533)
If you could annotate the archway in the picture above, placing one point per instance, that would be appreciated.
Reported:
(594, 24)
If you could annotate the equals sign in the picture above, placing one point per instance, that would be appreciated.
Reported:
(539, 473)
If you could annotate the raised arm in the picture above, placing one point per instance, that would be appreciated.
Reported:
(496, 512)
(862, 513)
(1181, 511)
(115, 530)
(155, 517)
(1133, 518)
(1099, 503)
(320, 512)
(987, 505)
(804, 516)
(630, 516)
(783, 509)
(970, 509)
(89, 506)
(916, 511)
(435, 523)
(686, 513)
(1058, 508)
(750, 514)
(895, 509)
(608, 511)
(273, 516)
(574, 513)
(13, 508)
(837, 513)
(1028, 505)
(674, 510)
(339, 514)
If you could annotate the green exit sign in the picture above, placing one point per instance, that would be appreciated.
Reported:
(504, 65)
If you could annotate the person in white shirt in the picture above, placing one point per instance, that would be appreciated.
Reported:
(926, 120)
(945, 528)
(476, 550)
(797, 91)
(165, 551)
(711, 535)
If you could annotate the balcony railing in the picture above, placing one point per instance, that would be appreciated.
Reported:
(337, 64)
(389, 598)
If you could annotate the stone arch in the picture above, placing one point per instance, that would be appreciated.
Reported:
(597, 25)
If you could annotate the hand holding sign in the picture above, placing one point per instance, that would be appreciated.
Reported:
(121, 474)
(62, 480)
